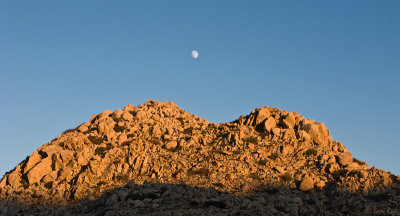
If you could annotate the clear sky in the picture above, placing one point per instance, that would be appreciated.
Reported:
(336, 62)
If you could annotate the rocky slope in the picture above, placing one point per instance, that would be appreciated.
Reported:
(157, 159)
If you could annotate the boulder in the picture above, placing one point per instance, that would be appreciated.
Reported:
(279, 169)
(138, 203)
(276, 131)
(117, 114)
(38, 171)
(288, 134)
(171, 144)
(94, 116)
(365, 167)
(140, 115)
(306, 184)
(83, 127)
(14, 179)
(262, 114)
(320, 184)
(3, 181)
(50, 177)
(289, 121)
(104, 114)
(129, 107)
(330, 168)
(49, 150)
(286, 149)
(156, 131)
(303, 135)
(32, 161)
(269, 124)
(362, 174)
(112, 200)
(317, 131)
(64, 173)
(352, 166)
(127, 116)
(122, 138)
(345, 158)
(106, 126)
(66, 156)
(122, 195)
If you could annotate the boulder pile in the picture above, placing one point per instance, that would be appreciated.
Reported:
(158, 159)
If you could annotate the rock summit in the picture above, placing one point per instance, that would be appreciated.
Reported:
(157, 159)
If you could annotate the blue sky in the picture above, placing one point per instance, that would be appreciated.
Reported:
(336, 62)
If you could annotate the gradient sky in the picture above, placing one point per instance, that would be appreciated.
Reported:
(336, 62)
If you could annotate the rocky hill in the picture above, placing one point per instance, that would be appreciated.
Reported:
(157, 159)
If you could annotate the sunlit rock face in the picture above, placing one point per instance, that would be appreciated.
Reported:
(155, 157)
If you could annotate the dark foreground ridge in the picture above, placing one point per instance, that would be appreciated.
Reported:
(157, 159)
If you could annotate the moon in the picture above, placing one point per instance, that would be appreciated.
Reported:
(195, 54)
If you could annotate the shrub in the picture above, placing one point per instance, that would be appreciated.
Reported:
(48, 185)
(286, 177)
(95, 139)
(359, 161)
(126, 143)
(263, 134)
(116, 162)
(379, 197)
(262, 162)
(119, 128)
(181, 120)
(217, 151)
(68, 131)
(218, 184)
(188, 130)
(339, 173)
(215, 203)
(255, 176)
(274, 156)
(176, 149)
(24, 182)
(156, 141)
(122, 177)
(251, 139)
(311, 152)
(101, 183)
(100, 150)
(236, 152)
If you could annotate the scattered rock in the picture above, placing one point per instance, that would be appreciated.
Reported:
(112, 200)
(171, 144)
(138, 203)
(122, 195)
(276, 131)
(306, 184)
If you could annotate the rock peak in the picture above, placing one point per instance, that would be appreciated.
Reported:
(137, 148)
